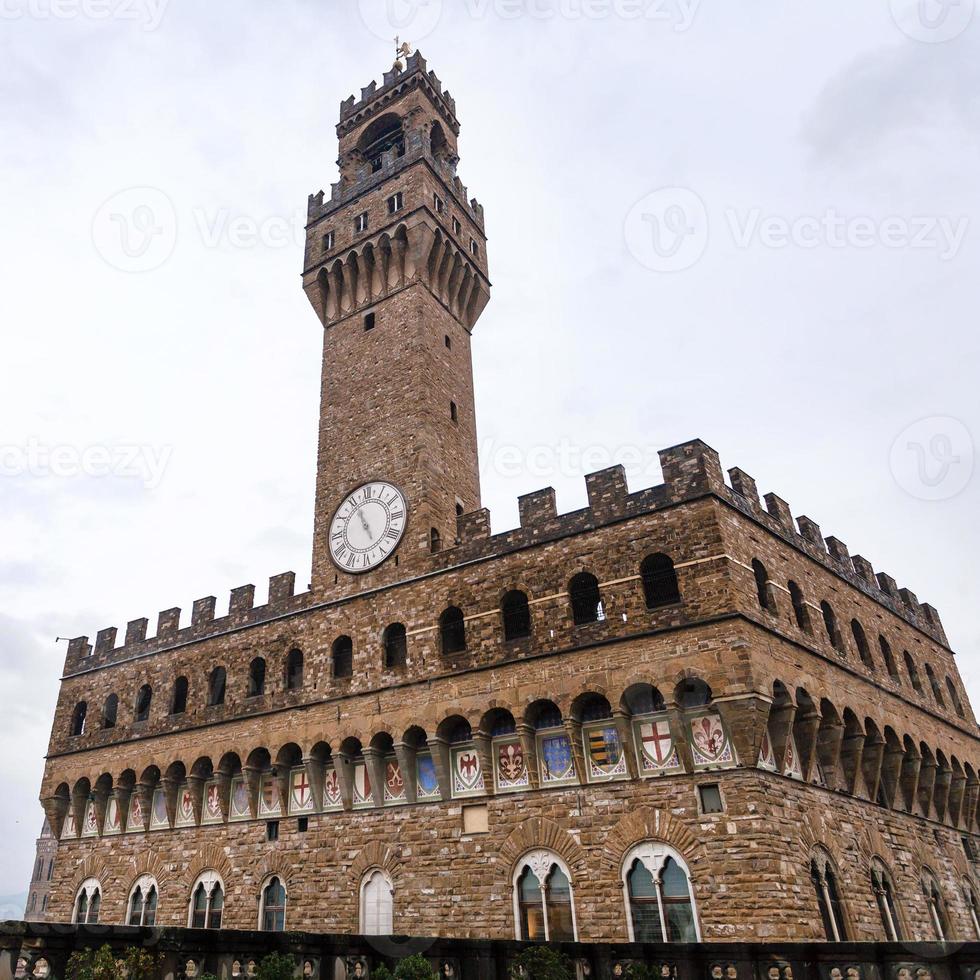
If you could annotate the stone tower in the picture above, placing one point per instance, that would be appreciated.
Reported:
(396, 270)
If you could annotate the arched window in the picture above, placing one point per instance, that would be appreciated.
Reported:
(207, 902)
(884, 892)
(342, 657)
(110, 711)
(377, 904)
(143, 903)
(517, 615)
(659, 581)
(937, 692)
(256, 678)
(216, 687)
(543, 899)
(912, 671)
(586, 599)
(824, 880)
(88, 902)
(937, 907)
(395, 644)
(889, 658)
(382, 135)
(143, 699)
(272, 911)
(294, 670)
(762, 585)
(972, 907)
(78, 719)
(659, 900)
(830, 624)
(692, 693)
(178, 704)
(861, 642)
(452, 630)
(435, 540)
(800, 610)
(954, 697)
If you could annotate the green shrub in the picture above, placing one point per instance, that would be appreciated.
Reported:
(276, 966)
(414, 967)
(541, 963)
(102, 964)
(381, 972)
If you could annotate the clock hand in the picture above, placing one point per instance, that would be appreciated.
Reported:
(364, 523)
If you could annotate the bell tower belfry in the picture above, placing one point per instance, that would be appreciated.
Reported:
(396, 270)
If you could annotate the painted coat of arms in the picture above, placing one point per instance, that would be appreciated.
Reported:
(658, 753)
(134, 822)
(185, 807)
(331, 790)
(69, 829)
(212, 804)
(605, 752)
(557, 764)
(767, 759)
(362, 786)
(112, 825)
(394, 782)
(467, 774)
(158, 811)
(269, 803)
(90, 823)
(300, 792)
(239, 799)
(511, 765)
(428, 783)
(710, 744)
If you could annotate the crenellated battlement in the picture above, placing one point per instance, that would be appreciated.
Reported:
(82, 655)
(691, 470)
(394, 83)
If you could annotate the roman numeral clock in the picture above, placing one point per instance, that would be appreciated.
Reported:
(367, 527)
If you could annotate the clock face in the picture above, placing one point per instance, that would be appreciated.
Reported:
(367, 527)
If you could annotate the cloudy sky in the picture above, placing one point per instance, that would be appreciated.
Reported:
(753, 222)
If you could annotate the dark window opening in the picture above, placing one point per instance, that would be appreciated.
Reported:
(303, 824)
(452, 630)
(110, 712)
(143, 699)
(369, 321)
(762, 585)
(342, 656)
(395, 647)
(216, 687)
(435, 541)
(272, 830)
(78, 718)
(256, 678)
(179, 703)
(294, 670)
(659, 581)
(799, 607)
(517, 615)
(586, 599)
(710, 796)
(449, 343)
(453, 412)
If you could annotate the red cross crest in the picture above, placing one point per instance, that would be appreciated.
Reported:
(657, 741)
(300, 786)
